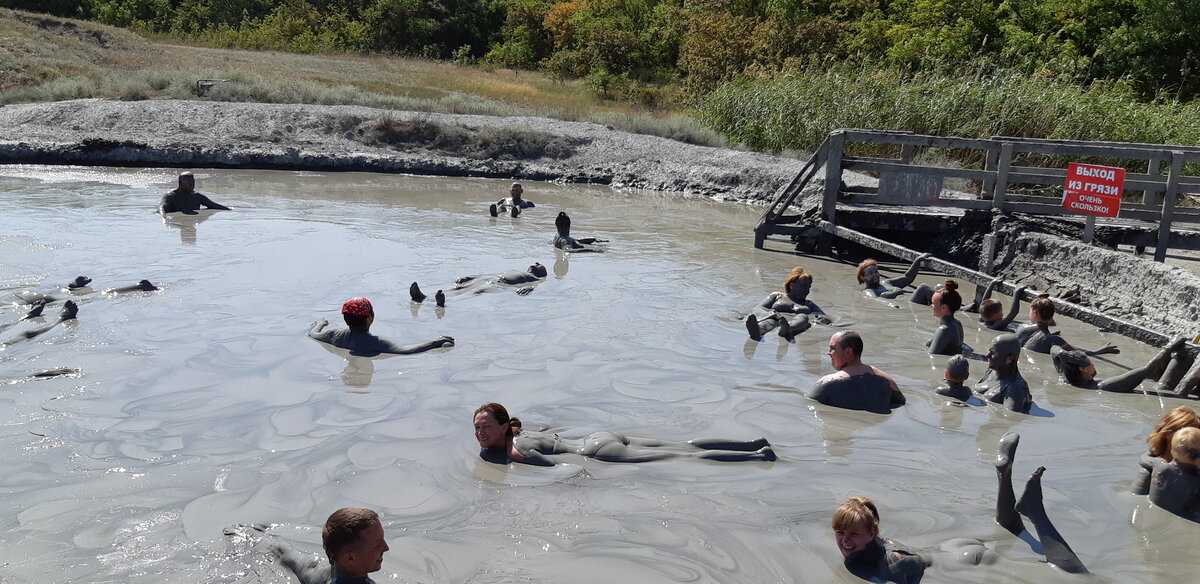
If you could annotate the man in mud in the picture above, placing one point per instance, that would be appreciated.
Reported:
(359, 314)
(354, 542)
(184, 198)
(1009, 389)
(513, 204)
(855, 386)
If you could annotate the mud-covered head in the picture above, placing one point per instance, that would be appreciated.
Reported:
(991, 310)
(516, 191)
(538, 270)
(1073, 365)
(868, 272)
(563, 223)
(798, 285)
(855, 525)
(187, 180)
(1041, 309)
(947, 300)
(1003, 353)
(958, 369)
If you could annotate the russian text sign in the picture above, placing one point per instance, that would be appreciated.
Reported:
(1093, 189)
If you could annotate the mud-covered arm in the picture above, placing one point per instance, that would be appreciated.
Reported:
(320, 331)
(211, 204)
(1013, 309)
(981, 296)
(307, 568)
(910, 274)
(394, 349)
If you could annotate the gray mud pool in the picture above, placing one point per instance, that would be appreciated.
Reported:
(203, 405)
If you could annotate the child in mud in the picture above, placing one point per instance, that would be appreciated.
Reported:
(1159, 443)
(1175, 485)
(958, 369)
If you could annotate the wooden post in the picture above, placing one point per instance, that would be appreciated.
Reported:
(1152, 169)
(1006, 152)
(989, 163)
(833, 185)
(1168, 208)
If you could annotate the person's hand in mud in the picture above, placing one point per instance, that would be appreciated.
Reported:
(525, 291)
(318, 326)
(445, 341)
(1109, 349)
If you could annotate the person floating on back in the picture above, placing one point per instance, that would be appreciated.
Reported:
(513, 204)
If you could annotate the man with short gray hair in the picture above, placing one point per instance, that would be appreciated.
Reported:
(855, 386)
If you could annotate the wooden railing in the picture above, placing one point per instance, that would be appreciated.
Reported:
(905, 182)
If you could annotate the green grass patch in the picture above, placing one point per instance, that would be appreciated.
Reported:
(482, 143)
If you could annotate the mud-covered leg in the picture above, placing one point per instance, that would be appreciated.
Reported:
(1006, 499)
(1055, 547)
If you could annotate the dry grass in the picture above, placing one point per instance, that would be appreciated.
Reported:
(45, 58)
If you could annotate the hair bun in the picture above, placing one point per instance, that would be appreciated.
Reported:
(951, 285)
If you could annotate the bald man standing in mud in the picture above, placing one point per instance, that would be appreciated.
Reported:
(184, 198)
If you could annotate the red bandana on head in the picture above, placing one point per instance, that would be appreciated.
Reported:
(359, 306)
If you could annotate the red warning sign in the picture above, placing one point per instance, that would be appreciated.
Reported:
(1094, 190)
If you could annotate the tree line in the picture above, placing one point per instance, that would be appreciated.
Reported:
(1147, 48)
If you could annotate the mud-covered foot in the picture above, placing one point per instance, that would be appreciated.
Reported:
(69, 310)
(785, 329)
(767, 453)
(440, 298)
(1007, 451)
(414, 292)
(493, 211)
(752, 327)
(1030, 504)
(79, 282)
(514, 211)
(36, 310)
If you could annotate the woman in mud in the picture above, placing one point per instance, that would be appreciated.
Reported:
(1159, 443)
(1036, 335)
(1078, 370)
(870, 557)
(502, 441)
(948, 338)
(788, 310)
(868, 275)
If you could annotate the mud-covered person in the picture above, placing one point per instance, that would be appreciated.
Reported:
(184, 198)
(357, 338)
(513, 204)
(354, 542)
(855, 386)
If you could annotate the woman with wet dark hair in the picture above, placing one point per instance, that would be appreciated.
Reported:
(1078, 370)
(948, 338)
(502, 441)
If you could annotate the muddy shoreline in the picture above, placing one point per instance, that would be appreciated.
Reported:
(179, 133)
(197, 134)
